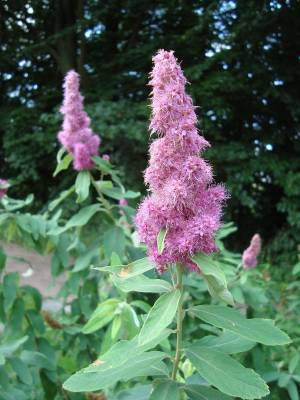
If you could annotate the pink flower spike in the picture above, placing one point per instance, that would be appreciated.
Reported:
(183, 198)
(3, 187)
(76, 135)
(249, 258)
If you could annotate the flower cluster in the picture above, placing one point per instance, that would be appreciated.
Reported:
(3, 187)
(184, 200)
(249, 259)
(76, 135)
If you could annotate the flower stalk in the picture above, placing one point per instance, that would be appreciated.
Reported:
(180, 316)
(104, 202)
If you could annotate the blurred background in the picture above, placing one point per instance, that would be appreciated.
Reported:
(241, 58)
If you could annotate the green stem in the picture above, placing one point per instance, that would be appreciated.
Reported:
(179, 322)
(104, 202)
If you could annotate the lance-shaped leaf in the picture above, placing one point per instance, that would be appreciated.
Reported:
(228, 342)
(82, 185)
(226, 374)
(104, 314)
(118, 194)
(145, 364)
(128, 271)
(256, 329)
(79, 219)
(214, 277)
(160, 316)
(63, 163)
(142, 283)
(161, 240)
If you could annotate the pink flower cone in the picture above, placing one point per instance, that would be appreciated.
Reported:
(76, 135)
(249, 258)
(183, 198)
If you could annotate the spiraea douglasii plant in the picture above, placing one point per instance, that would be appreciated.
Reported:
(178, 222)
(88, 224)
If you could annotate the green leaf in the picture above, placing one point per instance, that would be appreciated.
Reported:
(256, 329)
(142, 305)
(10, 286)
(107, 374)
(62, 196)
(284, 379)
(60, 154)
(128, 348)
(129, 194)
(102, 316)
(22, 370)
(226, 230)
(63, 164)
(7, 349)
(114, 242)
(160, 316)
(139, 392)
(294, 363)
(2, 359)
(161, 240)
(226, 374)
(36, 321)
(2, 259)
(13, 205)
(165, 391)
(270, 376)
(198, 392)
(158, 339)
(214, 277)
(292, 390)
(115, 327)
(84, 260)
(79, 219)
(296, 268)
(128, 271)
(130, 320)
(36, 359)
(228, 342)
(105, 166)
(82, 185)
(142, 283)
(114, 259)
(118, 194)
(159, 369)
(129, 213)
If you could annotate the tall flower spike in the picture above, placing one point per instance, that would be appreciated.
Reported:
(249, 258)
(76, 135)
(183, 198)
